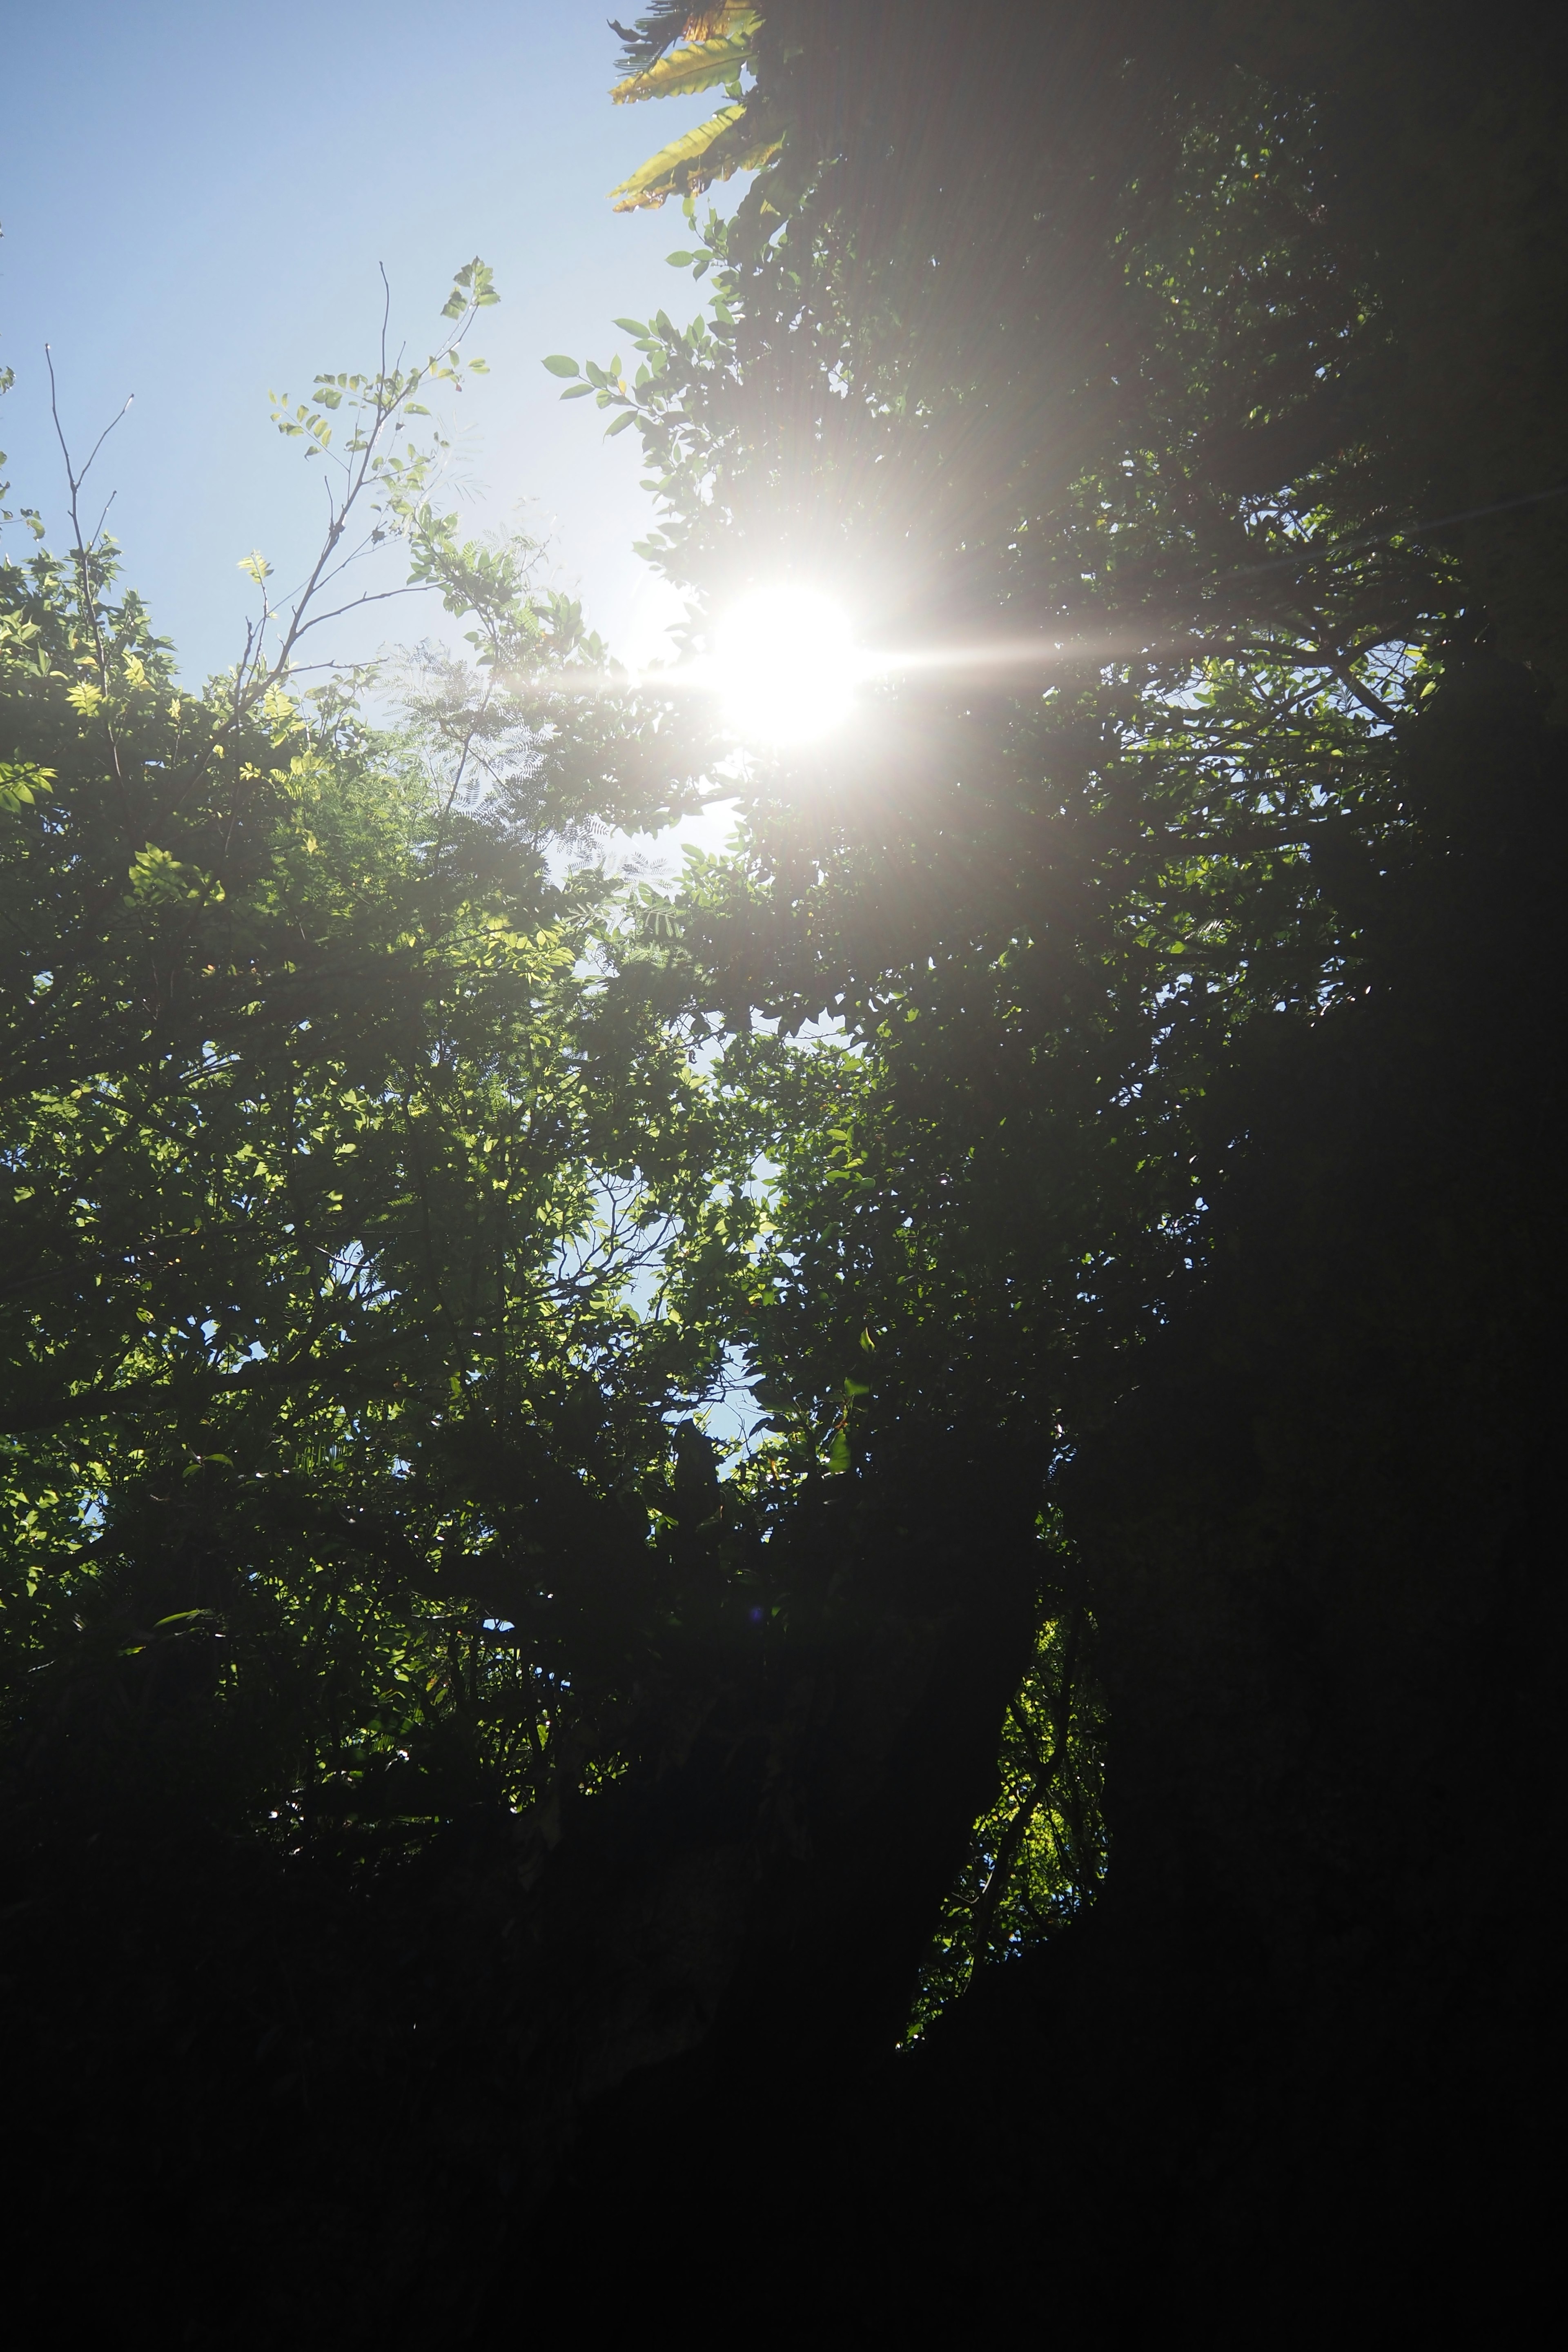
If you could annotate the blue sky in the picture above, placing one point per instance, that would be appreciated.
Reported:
(196, 196)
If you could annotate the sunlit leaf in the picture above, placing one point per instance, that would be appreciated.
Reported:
(674, 166)
(696, 65)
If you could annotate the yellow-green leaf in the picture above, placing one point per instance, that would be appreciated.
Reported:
(653, 180)
(698, 65)
(20, 782)
(159, 879)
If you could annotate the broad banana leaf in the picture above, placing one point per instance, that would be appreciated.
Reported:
(712, 152)
(701, 64)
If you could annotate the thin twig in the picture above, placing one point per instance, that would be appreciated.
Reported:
(83, 559)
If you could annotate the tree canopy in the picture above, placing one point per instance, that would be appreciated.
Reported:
(1073, 1786)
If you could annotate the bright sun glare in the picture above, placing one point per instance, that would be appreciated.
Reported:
(784, 666)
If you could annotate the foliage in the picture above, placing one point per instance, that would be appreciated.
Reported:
(337, 1349)
(716, 49)
(1062, 930)
(1038, 1853)
(389, 1197)
(699, 63)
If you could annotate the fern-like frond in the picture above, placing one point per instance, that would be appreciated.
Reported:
(723, 145)
(701, 64)
(670, 21)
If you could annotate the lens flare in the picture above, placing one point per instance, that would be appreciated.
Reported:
(784, 666)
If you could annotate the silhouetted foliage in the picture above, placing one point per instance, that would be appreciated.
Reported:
(1074, 1795)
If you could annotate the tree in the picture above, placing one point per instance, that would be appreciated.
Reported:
(1056, 924)
(339, 1372)
(1117, 1280)
(1151, 1152)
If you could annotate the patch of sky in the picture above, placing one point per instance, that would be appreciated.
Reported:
(615, 1245)
(731, 1415)
(160, 106)
(658, 857)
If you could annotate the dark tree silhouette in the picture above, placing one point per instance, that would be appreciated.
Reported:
(1154, 1315)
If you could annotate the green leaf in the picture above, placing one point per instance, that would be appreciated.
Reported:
(559, 365)
(694, 66)
(20, 782)
(653, 180)
(628, 417)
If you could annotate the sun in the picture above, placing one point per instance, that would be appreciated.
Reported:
(784, 666)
